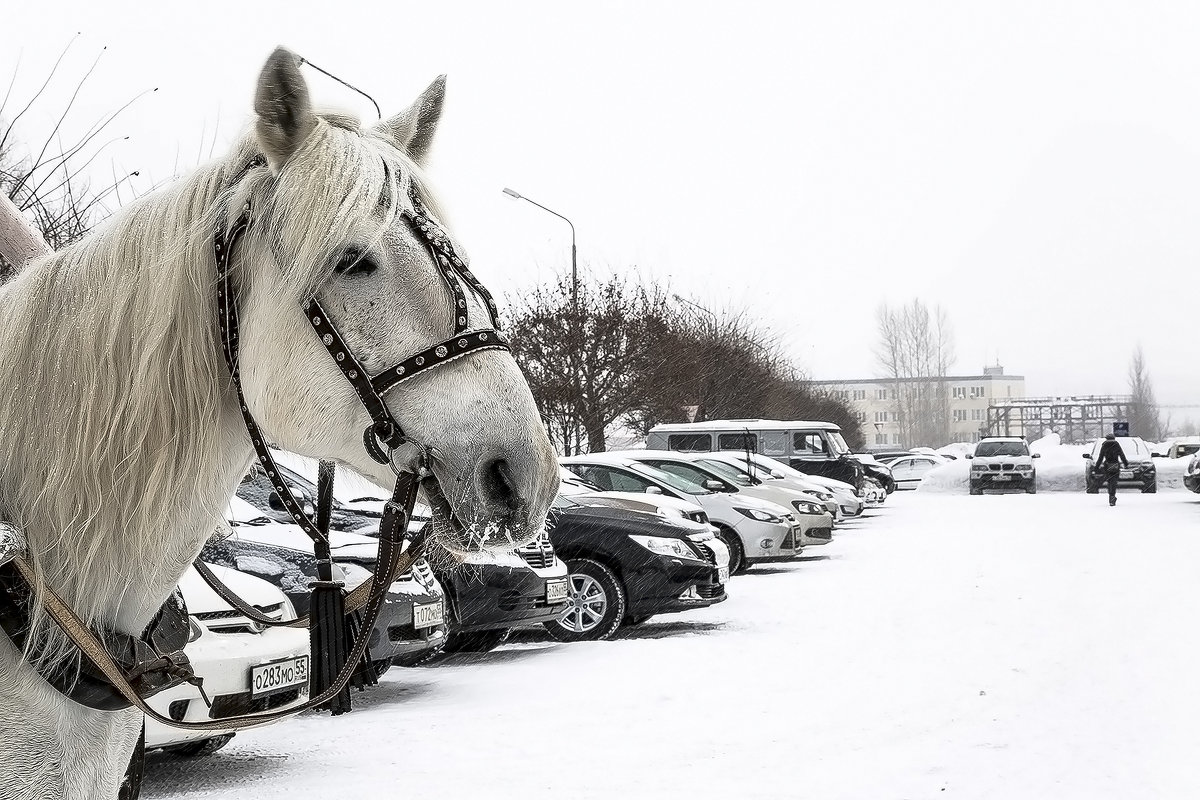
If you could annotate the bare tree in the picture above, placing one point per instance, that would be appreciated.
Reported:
(915, 352)
(1144, 416)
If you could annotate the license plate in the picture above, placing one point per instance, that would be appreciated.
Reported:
(278, 675)
(426, 615)
(556, 591)
(1002, 478)
(723, 574)
(1126, 474)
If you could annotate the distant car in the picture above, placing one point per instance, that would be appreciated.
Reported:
(850, 503)
(412, 622)
(734, 469)
(909, 470)
(1183, 447)
(1191, 478)
(1140, 474)
(888, 456)
(755, 531)
(246, 667)
(1002, 462)
(627, 566)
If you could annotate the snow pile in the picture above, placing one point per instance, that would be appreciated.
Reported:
(958, 450)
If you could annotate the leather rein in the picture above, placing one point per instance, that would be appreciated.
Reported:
(382, 439)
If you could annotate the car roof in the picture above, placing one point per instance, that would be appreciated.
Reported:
(1001, 439)
(738, 425)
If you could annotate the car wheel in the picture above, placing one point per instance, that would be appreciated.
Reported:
(975, 489)
(380, 667)
(1031, 489)
(477, 641)
(595, 606)
(201, 747)
(737, 553)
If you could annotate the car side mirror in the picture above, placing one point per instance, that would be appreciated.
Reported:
(968, 458)
(1037, 455)
(1156, 455)
(1087, 455)
(653, 490)
(775, 473)
(714, 486)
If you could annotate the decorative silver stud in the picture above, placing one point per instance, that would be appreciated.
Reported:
(420, 361)
(441, 351)
(352, 374)
(341, 356)
(462, 320)
(316, 320)
(483, 337)
(462, 342)
(399, 370)
(327, 339)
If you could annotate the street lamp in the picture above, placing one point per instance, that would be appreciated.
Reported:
(574, 269)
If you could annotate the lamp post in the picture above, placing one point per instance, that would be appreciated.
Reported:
(574, 269)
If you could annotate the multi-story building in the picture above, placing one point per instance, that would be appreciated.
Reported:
(967, 399)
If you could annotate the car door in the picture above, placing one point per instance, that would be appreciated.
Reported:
(905, 473)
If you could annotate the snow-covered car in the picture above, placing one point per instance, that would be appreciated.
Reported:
(733, 469)
(850, 503)
(909, 470)
(1002, 462)
(755, 531)
(1191, 478)
(813, 522)
(1141, 473)
(1182, 448)
(246, 668)
(412, 621)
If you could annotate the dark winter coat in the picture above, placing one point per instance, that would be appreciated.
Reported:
(1110, 454)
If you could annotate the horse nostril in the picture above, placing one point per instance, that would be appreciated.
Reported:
(499, 485)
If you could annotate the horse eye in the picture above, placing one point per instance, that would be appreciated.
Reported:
(355, 262)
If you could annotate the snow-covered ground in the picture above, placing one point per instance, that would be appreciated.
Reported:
(1007, 646)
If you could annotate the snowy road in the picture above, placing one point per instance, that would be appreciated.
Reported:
(974, 647)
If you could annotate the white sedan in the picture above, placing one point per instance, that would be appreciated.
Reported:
(246, 668)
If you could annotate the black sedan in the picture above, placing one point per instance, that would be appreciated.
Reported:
(626, 566)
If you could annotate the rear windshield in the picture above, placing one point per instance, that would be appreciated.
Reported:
(690, 442)
(987, 449)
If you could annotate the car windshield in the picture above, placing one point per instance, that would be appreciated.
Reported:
(838, 443)
(561, 501)
(676, 482)
(769, 464)
(726, 470)
(574, 489)
(989, 449)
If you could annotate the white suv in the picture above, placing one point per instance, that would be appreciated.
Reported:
(1002, 462)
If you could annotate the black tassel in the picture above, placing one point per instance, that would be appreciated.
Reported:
(328, 629)
(364, 674)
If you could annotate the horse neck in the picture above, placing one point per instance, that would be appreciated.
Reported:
(125, 443)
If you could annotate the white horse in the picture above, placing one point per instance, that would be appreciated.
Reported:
(120, 435)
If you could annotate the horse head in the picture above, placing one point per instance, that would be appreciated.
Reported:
(332, 215)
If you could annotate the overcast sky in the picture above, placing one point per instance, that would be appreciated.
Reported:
(1031, 167)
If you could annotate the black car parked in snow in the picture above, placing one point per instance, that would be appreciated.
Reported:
(626, 566)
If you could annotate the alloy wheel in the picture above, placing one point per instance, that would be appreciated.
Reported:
(586, 605)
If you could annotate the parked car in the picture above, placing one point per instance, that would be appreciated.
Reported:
(849, 502)
(1140, 474)
(1180, 448)
(488, 594)
(1002, 462)
(755, 531)
(815, 448)
(735, 470)
(814, 523)
(1191, 478)
(411, 624)
(888, 456)
(627, 566)
(880, 472)
(909, 470)
(669, 508)
(246, 668)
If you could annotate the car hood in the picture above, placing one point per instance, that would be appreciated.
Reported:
(620, 520)
(201, 599)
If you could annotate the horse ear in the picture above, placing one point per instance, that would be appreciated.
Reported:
(285, 115)
(413, 130)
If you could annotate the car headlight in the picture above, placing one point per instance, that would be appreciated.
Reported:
(665, 546)
(354, 574)
(194, 629)
(288, 612)
(979, 468)
(805, 507)
(761, 516)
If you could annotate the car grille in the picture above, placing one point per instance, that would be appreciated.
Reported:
(232, 705)
(539, 553)
(1005, 467)
(710, 590)
(707, 552)
(232, 621)
(820, 533)
(789, 541)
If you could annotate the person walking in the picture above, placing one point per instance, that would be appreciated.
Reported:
(1109, 464)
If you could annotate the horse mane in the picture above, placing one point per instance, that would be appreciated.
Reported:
(120, 404)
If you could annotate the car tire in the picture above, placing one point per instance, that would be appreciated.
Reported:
(200, 747)
(595, 607)
(476, 641)
(1031, 489)
(737, 553)
(975, 489)
(636, 619)
(380, 667)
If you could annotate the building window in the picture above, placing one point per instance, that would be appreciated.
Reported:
(959, 393)
(960, 415)
(860, 394)
(881, 438)
(976, 391)
(861, 416)
(895, 417)
(881, 416)
(977, 414)
(895, 438)
(881, 394)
